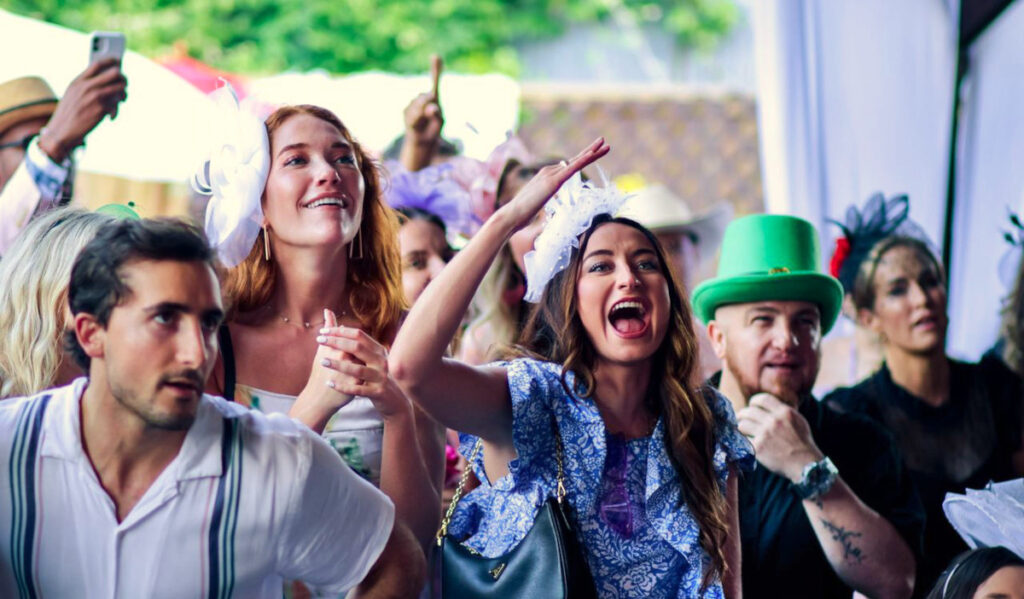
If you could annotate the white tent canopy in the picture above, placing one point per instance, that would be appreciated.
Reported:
(159, 133)
(478, 109)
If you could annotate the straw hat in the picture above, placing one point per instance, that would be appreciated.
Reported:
(770, 257)
(661, 211)
(24, 99)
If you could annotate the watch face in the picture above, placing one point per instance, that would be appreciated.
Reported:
(817, 474)
(818, 479)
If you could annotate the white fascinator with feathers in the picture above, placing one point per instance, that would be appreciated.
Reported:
(569, 214)
(234, 175)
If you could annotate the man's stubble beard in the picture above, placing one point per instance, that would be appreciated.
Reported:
(748, 391)
(151, 420)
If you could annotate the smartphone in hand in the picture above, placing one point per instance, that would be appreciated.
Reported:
(104, 45)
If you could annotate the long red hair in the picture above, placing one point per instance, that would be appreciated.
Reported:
(373, 281)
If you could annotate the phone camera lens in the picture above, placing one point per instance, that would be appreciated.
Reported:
(96, 44)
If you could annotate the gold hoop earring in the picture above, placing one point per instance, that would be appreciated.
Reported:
(266, 244)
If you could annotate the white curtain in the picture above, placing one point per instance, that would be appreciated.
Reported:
(857, 97)
(990, 179)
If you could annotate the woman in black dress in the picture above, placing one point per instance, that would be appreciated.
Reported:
(957, 424)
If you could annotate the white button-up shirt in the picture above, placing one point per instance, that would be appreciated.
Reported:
(37, 185)
(249, 500)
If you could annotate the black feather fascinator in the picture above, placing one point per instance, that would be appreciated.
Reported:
(862, 229)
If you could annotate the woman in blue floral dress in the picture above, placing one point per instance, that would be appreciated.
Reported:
(609, 365)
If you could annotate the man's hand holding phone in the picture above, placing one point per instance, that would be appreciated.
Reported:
(95, 93)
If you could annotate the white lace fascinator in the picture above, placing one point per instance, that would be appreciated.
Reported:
(991, 516)
(569, 214)
(233, 175)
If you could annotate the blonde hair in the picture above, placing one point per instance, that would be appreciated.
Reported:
(489, 314)
(374, 281)
(34, 278)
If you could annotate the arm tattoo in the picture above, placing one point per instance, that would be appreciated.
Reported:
(845, 538)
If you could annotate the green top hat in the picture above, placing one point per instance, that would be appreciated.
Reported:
(770, 257)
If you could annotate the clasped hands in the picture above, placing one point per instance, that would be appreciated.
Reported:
(348, 363)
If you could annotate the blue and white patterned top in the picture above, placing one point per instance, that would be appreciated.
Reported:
(662, 558)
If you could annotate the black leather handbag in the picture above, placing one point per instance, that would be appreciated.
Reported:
(547, 564)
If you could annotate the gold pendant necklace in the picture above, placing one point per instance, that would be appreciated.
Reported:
(305, 324)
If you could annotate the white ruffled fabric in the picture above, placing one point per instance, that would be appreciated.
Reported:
(234, 176)
(569, 214)
(991, 516)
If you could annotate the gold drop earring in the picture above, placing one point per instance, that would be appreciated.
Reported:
(266, 244)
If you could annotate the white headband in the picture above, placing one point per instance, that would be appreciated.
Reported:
(234, 175)
(569, 214)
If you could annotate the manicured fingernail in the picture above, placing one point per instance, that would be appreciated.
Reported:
(325, 330)
(321, 339)
(325, 362)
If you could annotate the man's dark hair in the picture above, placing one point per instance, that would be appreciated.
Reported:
(97, 286)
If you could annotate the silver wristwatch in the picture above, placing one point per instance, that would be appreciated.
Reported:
(816, 480)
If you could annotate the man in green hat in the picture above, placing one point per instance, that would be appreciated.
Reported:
(829, 512)
(38, 133)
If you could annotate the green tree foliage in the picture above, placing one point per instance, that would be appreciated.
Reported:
(340, 36)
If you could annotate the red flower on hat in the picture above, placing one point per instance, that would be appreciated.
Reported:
(839, 256)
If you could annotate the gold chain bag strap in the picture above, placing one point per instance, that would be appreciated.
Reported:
(547, 564)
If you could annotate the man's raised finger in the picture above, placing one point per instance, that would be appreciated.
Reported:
(436, 64)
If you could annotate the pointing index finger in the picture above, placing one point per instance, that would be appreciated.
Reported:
(436, 64)
(594, 151)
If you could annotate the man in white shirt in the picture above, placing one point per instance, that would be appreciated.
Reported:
(38, 134)
(133, 483)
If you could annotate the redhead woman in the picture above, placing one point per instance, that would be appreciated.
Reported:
(315, 297)
(606, 380)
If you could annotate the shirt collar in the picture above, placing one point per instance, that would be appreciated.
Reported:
(62, 432)
(199, 457)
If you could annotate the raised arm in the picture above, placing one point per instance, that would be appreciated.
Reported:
(423, 123)
(463, 397)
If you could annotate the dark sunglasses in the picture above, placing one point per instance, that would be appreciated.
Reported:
(21, 143)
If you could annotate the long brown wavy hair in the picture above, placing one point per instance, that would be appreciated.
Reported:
(554, 332)
(374, 281)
